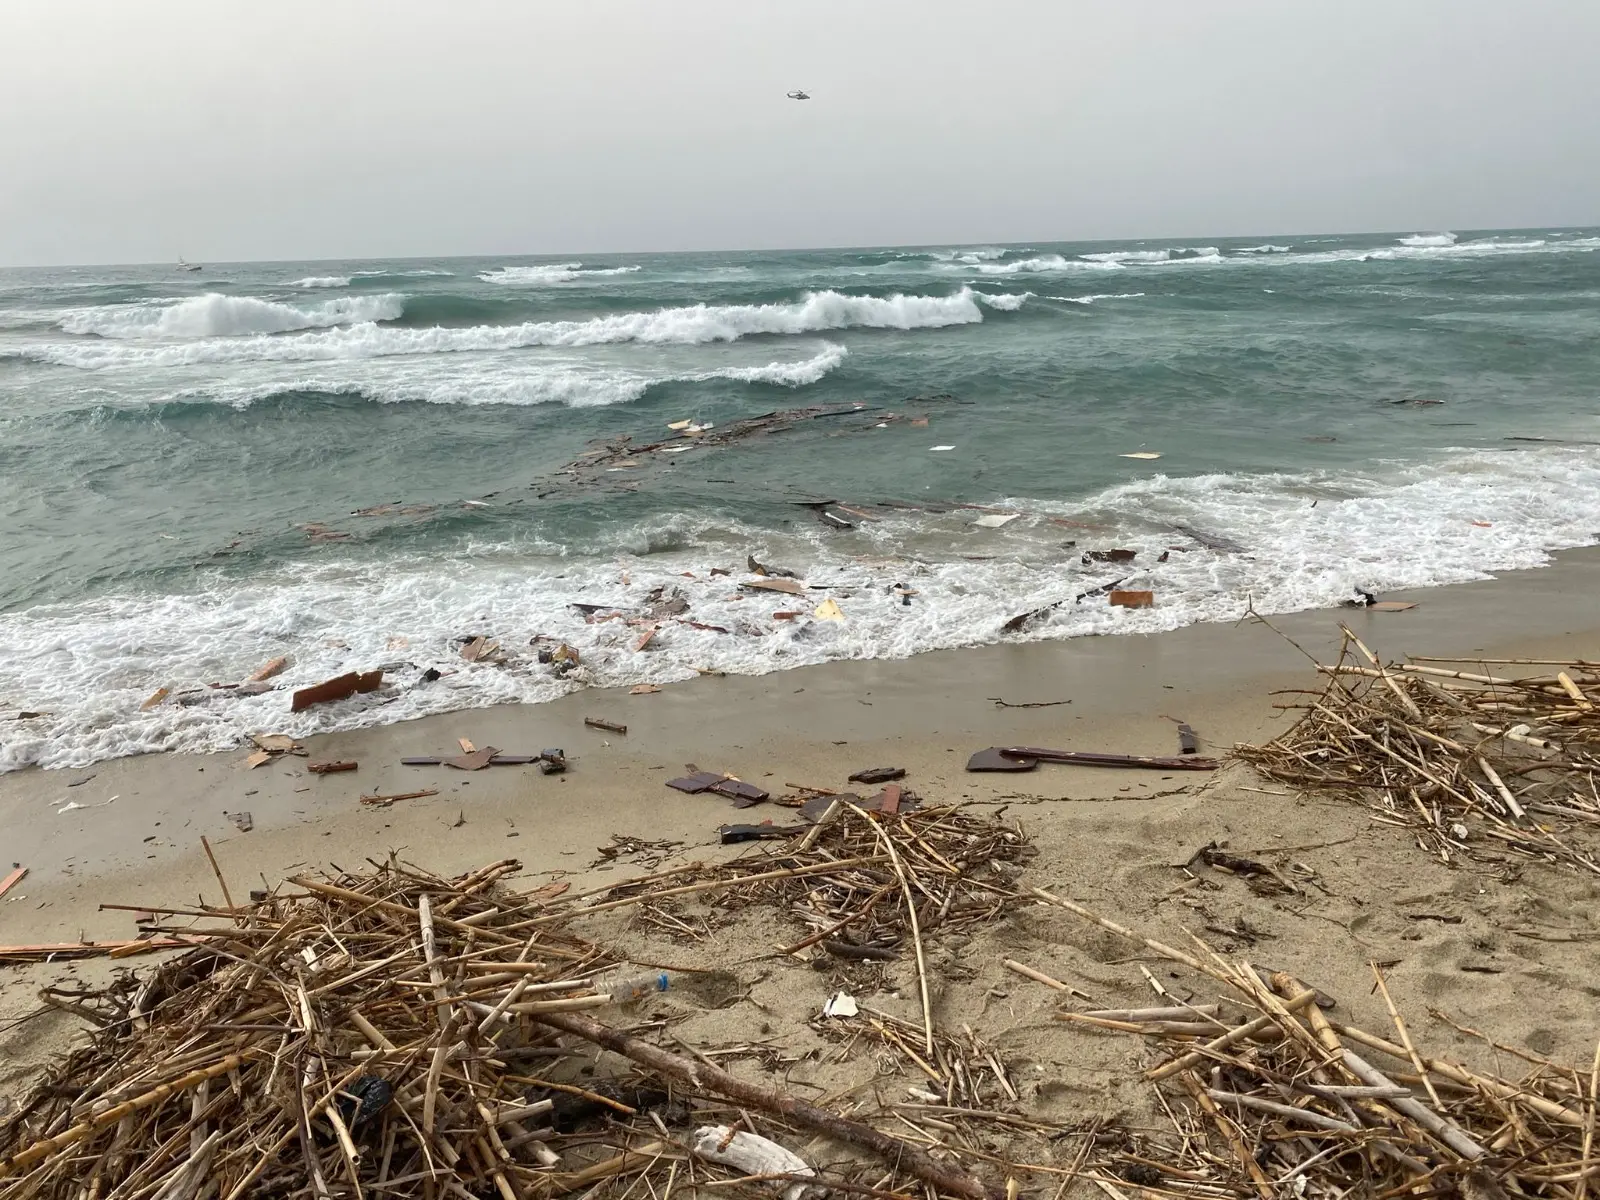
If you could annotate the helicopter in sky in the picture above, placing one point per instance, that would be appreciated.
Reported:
(798, 95)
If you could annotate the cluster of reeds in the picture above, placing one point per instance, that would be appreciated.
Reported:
(1477, 764)
(1268, 1095)
(390, 1032)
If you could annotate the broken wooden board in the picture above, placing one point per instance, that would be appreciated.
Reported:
(699, 782)
(476, 761)
(338, 688)
(14, 878)
(499, 760)
(993, 760)
(1088, 758)
(829, 610)
(156, 698)
(1109, 556)
(273, 666)
(274, 743)
(1133, 599)
(792, 586)
(741, 793)
(1188, 743)
(331, 768)
(878, 775)
(1393, 605)
(733, 834)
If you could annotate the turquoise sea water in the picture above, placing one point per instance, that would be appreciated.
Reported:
(182, 453)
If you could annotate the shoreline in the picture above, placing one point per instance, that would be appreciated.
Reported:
(808, 725)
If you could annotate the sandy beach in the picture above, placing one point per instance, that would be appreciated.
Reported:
(1109, 838)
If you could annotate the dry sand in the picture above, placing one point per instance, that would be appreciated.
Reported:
(1506, 951)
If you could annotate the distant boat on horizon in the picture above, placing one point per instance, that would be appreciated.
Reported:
(188, 266)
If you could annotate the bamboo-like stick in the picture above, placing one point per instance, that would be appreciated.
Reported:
(41, 1150)
(911, 916)
(704, 1076)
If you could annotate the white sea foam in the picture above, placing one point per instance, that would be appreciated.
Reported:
(1041, 265)
(1004, 301)
(1267, 248)
(1429, 239)
(1098, 296)
(320, 281)
(549, 273)
(573, 382)
(690, 325)
(91, 663)
(1122, 257)
(215, 315)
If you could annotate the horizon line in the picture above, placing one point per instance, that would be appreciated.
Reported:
(863, 246)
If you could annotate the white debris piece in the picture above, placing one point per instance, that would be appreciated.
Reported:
(752, 1154)
(841, 1004)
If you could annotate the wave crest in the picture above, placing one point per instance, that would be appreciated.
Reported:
(1429, 239)
(548, 273)
(215, 315)
(690, 325)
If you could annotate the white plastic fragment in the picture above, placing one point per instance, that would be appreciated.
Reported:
(752, 1154)
(841, 1004)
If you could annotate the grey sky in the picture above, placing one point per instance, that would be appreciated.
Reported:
(344, 128)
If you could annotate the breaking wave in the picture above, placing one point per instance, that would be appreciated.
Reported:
(320, 281)
(1429, 239)
(215, 315)
(1042, 264)
(549, 273)
(690, 325)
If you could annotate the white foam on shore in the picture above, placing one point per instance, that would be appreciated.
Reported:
(694, 324)
(91, 663)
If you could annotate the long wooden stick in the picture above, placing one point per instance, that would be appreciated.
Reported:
(699, 1075)
(911, 915)
(217, 871)
(1399, 1023)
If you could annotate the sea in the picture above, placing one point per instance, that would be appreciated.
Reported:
(364, 464)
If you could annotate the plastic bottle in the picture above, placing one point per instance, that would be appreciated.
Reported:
(631, 989)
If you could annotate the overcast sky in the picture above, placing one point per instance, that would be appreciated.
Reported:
(295, 129)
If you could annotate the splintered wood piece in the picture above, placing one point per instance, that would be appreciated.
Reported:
(330, 768)
(476, 761)
(601, 723)
(1087, 758)
(382, 801)
(338, 688)
(994, 759)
